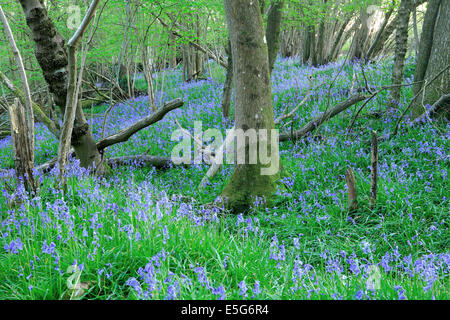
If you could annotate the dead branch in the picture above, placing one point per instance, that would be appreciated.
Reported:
(125, 134)
(23, 160)
(285, 115)
(427, 83)
(218, 159)
(352, 193)
(318, 120)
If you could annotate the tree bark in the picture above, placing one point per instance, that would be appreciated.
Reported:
(335, 48)
(357, 50)
(306, 46)
(253, 103)
(52, 58)
(321, 40)
(401, 47)
(433, 47)
(273, 30)
(23, 153)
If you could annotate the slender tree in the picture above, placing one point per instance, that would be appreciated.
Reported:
(401, 47)
(253, 101)
(273, 30)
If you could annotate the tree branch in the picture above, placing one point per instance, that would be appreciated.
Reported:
(318, 120)
(125, 134)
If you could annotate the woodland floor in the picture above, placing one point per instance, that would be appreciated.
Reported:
(142, 233)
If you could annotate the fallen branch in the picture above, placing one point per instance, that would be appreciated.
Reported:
(318, 120)
(218, 159)
(285, 115)
(125, 134)
(397, 125)
(145, 160)
(441, 106)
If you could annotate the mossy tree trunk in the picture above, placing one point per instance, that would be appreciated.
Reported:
(433, 57)
(51, 55)
(253, 101)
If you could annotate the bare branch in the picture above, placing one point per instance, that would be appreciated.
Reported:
(125, 134)
(318, 120)
(290, 114)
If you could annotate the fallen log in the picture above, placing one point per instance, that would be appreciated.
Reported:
(318, 120)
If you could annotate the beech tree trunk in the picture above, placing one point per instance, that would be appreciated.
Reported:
(52, 58)
(291, 40)
(401, 47)
(306, 46)
(312, 45)
(253, 102)
(321, 41)
(273, 30)
(433, 58)
(357, 49)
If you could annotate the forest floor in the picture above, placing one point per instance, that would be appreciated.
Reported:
(142, 233)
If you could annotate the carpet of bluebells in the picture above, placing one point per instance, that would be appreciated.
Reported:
(142, 233)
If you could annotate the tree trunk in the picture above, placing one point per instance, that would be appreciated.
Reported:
(52, 58)
(291, 40)
(385, 32)
(401, 46)
(253, 104)
(23, 152)
(273, 30)
(306, 46)
(377, 42)
(335, 48)
(357, 49)
(321, 40)
(312, 42)
(433, 56)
